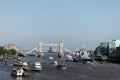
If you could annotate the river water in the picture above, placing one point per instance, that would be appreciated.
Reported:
(75, 71)
(5, 70)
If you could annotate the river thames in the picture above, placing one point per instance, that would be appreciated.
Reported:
(75, 71)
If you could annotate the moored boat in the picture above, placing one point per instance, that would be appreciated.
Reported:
(27, 68)
(62, 66)
(36, 66)
(20, 63)
(17, 72)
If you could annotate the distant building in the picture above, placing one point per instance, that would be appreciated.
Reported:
(108, 49)
(11, 46)
(50, 49)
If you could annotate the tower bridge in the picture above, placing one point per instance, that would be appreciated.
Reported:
(61, 52)
(40, 48)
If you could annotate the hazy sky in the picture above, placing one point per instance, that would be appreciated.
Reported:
(77, 22)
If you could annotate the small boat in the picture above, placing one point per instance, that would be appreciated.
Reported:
(17, 72)
(51, 59)
(21, 63)
(17, 58)
(62, 66)
(36, 66)
(40, 54)
(22, 55)
(27, 68)
(69, 58)
(24, 63)
(55, 63)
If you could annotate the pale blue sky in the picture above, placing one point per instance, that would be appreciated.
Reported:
(76, 22)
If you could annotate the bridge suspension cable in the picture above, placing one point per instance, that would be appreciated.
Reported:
(29, 52)
(69, 51)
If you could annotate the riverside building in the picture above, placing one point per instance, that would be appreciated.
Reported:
(110, 49)
(11, 46)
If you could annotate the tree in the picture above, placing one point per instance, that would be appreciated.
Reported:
(12, 51)
(4, 51)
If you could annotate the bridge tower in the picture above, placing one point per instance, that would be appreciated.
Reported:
(40, 52)
(61, 51)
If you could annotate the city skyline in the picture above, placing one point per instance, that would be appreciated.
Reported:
(79, 23)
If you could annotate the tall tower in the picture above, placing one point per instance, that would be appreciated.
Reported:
(40, 46)
(40, 52)
(61, 51)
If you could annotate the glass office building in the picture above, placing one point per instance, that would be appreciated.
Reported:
(112, 49)
(107, 49)
(104, 48)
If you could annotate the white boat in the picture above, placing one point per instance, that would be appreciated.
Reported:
(20, 63)
(36, 66)
(17, 72)
(55, 63)
(24, 63)
(51, 59)
(69, 57)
